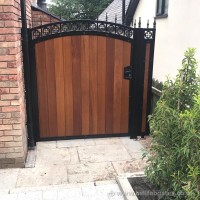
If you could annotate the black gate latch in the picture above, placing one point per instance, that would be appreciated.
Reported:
(128, 72)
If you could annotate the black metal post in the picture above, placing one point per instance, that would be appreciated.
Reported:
(123, 11)
(26, 64)
(136, 84)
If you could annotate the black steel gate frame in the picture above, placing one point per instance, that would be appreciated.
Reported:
(138, 37)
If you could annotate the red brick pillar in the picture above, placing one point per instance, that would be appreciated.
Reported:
(13, 133)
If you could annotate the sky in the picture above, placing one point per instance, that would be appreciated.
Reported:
(48, 1)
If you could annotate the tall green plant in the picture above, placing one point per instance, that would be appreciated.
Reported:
(179, 93)
(174, 159)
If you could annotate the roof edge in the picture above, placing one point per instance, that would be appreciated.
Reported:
(37, 8)
(131, 11)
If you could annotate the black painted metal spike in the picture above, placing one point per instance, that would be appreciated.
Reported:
(154, 23)
(116, 18)
(106, 16)
(139, 23)
(132, 23)
(29, 22)
(135, 23)
(40, 20)
(147, 23)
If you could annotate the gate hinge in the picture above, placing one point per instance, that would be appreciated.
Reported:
(128, 72)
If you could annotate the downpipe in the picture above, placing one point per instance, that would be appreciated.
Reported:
(27, 77)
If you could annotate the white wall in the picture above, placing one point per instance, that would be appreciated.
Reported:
(146, 10)
(174, 34)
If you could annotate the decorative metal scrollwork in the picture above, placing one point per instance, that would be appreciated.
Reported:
(46, 31)
(93, 27)
(90, 27)
(120, 31)
(111, 28)
(102, 27)
(55, 29)
(36, 34)
(148, 35)
(82, 26)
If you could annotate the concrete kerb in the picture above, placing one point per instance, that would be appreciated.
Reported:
(125, 186)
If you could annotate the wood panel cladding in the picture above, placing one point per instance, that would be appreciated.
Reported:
(145, 90)
(81, 90)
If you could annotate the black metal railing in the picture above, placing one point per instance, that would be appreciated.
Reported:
(76, 27)
(83, 26)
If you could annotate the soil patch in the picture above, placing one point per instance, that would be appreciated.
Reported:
(143, 189)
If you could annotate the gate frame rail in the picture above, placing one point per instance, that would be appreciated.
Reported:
(139, 39)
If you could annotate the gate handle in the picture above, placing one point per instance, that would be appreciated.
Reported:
(128, 72)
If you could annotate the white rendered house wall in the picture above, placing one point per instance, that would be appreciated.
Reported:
(174, 34)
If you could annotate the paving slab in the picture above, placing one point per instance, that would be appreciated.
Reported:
(107, 141)
(9, 197)
(107, 190)
(42, 176)
(46, 144)
(132, 146)
(75, 143)
(52, 157)
(111, 192)
(124, 167)
(4, 191)
(109, 182)
(89, 192)
(8, 178)
(36, 195)
(103, 153)
(50, 187)
(72, 194)
(74, 157)
(74, 169)
(90, 172)
(50, 194)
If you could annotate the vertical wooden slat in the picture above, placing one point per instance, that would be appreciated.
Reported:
(125, 90)
(42, 89)
(81, 89)
(118, 76)
(60, 98)
(93, 84)
(101, 84)
(76, 63)
(85, 72)
(51, 87)
(110, 46)
(145, 91)
(67, 64)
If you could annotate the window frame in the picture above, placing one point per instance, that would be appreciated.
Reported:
(164, 11)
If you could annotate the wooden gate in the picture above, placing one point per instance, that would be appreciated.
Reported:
(79, 79)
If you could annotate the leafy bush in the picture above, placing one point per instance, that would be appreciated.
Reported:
(174, 157)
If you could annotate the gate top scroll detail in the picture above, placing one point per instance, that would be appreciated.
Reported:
(88, 27)
(81, 27)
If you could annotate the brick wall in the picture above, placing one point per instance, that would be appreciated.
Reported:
(41, 18)
(13, 134)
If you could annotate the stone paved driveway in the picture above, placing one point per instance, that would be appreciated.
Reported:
(76, 168)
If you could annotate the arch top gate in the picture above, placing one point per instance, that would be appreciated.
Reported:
(89, 79)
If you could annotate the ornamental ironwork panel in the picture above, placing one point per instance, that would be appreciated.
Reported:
(148, 34)
(82, 27)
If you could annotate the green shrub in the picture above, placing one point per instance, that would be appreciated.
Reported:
(174, 157)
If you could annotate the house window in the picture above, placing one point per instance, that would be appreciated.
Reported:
(162, 8)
